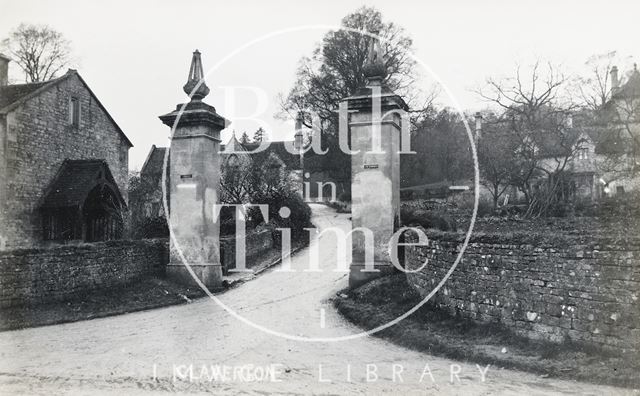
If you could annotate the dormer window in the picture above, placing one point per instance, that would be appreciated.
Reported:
(74, 112)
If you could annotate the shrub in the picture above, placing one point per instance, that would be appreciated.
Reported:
(560, 209)
(427, 219)
(345, 196)
(299, 218)
(340, 207)
(150, 227)
(228, 220)
(627, 205)
(485, 208)
(407, 194)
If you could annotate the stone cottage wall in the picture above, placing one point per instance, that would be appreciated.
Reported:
(541, 286)
(34, 276)
(38, 139)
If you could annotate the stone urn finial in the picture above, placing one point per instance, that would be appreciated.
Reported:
(195, 76)
(374, 68)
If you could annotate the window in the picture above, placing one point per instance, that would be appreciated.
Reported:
(74, 112)
(583, 153)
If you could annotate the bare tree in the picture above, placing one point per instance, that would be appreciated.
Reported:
(40, 51)
(595, 88)
(235, 181)
(535, 108)
(496, 156)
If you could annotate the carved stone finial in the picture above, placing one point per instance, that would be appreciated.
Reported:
(195, 76)
(374, 69)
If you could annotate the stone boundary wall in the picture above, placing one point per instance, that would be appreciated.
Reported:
(550, 287)
(257, 242)
(40, 275)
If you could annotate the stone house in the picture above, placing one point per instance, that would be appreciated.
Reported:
(602, 159)
(150, 204)
(601, 155)
(621, 142)
(63, 163)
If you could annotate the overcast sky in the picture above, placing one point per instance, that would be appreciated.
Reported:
(135, 54)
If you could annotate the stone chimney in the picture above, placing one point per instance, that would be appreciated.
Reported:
(569, 121)
(298, 137)
(4, 70)
(478, 126)
(615, 82)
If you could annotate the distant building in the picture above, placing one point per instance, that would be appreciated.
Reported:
(149, 204)
(275, 157)
(63, 163)
(603, 159)
(621, 143)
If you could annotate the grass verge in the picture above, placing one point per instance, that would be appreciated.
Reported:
(148, 293)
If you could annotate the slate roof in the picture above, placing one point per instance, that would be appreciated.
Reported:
(152, 168)
(551, 145)
(74, 182)
(11, 96)
(608, 140)
(290, 160)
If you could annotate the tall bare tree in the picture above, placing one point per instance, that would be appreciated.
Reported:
(595, 87)
(535, 108)
(497, 158)
(235, 181)
(40, 51)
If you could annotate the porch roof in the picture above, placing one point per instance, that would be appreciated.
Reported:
(74, 182)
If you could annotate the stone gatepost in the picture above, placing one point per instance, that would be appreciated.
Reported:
(375, 122)
(194, 178)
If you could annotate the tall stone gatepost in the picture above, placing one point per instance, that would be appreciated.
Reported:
(375, 117)
(194, 178)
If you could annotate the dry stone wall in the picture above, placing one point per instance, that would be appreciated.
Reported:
(552, 287)
(35, 276)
